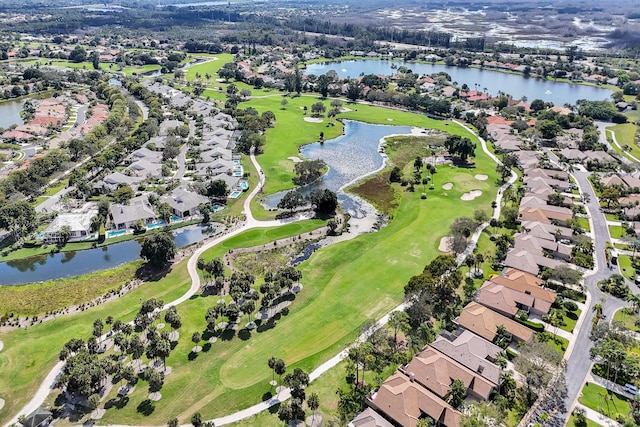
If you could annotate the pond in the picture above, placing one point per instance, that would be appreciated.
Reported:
(10, 112)
(349, 157)
(494, 81)
(67, 264)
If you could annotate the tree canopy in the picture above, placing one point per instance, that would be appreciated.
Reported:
(158, 249)
(459, 146)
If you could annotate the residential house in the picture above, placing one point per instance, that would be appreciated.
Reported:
(184, 203)
(485, 322)
(436, 371)
(529, 284)
(556, 184)
(127, 216)
(524, 260)
(547, 214)
(472, 351)
(144, 168)
(369, 418)
(613, 180)
(79, 224)
(546, 231)
(404, 402)
(544, 247)
(547, 174)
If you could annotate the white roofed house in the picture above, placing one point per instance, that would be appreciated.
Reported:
(184, 203)
(79, 225)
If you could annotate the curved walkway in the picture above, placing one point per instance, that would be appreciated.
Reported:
(49, 382)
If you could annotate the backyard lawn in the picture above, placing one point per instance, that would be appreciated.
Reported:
(604, 401)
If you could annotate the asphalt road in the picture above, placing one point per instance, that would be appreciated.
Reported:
(579, 362)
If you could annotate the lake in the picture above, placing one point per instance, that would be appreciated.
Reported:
(494, 81)
(10, 112)
(349, 157)
(67, 264)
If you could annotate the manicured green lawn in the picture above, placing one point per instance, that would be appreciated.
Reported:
(29, 354)
(584, 223)
(616, 231)
(604, 401)
(59, 186)
(629, 320)
(569, 319)
(625, 135)
(624, 261)
(611, 217)
(211, 66)
(572, 422)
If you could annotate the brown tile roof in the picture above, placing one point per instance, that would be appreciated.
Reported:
(502, 299)
(484, 322)
(17, 135)
(549, 212)
(436, 371)
(521, 282)
(405, 401)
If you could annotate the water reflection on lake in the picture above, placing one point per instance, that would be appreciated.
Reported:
(58, 265)
(10, 112)
(494, 81)
(348, 157)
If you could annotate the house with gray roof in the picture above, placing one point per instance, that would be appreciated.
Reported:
(472, 351)
(127, 216)
(184, 203)
(144, 168)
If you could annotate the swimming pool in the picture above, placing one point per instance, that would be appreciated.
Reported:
(237, 174)
(236, 162)
(116, 233)
(244, 185)
(175, 218)
(235, 194)
(217, 208)
(156, 225)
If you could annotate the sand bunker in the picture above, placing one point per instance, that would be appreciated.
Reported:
(295, 159)
(345, 109)
(1, 345)
(448, 186)
(389, 119)
(471, 195)
(313, 119)
(445, 244)
(481, 177)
